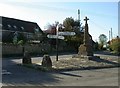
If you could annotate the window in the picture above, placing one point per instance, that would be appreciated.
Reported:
(0, 25)
(29, 35)
(22, 28)
(36, 30)
(9, 25)
(14, 26)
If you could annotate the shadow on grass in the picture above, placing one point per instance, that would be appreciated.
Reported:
(62, 70)
(104, 61)
(106, 53)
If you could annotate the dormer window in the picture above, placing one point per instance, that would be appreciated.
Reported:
(9, 25)
(0, 25)
(14, 26)
(22, 28)
(36, 30)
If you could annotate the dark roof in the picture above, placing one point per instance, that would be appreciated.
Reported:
(13, 24)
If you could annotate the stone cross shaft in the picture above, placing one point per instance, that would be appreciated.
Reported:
(86, 34)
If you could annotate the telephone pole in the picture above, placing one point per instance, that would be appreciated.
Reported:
(57, 42)
(111, 34)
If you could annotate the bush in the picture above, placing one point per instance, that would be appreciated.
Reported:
(20, 42)
(96, 46)
(115, 45)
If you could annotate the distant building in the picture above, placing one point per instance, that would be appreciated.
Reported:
(14, 27)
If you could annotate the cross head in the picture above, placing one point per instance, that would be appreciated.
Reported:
(86, 19)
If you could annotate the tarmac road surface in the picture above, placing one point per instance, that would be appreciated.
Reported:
(15, 75)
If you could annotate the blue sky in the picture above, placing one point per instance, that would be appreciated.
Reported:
(103, 15)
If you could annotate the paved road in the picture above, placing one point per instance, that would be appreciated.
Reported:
(13, 74)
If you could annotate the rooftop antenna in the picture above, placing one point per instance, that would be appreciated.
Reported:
(79, 18)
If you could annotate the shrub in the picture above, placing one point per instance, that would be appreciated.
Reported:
(20, 42)
(115, 45)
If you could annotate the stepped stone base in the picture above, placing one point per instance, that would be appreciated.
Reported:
(86, 57)
(85, 50)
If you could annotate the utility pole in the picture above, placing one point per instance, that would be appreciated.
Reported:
(57, 42)
(111, 34)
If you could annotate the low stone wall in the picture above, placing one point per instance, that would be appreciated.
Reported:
(9, 49)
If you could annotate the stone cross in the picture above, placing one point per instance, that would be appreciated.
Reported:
(86, 48)
(86, 19)
(86, 34)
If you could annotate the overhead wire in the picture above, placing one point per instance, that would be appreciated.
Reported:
(99, 26)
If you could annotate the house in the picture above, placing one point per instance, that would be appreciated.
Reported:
(15, 28)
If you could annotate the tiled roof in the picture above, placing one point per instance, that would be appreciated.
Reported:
(19, 25)
(11, 26)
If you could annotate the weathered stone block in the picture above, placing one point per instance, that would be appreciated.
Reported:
(26, 58)
(46, 61)
(85, 50)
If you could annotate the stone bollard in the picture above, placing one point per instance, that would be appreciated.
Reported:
(46, 61)
(26, 58)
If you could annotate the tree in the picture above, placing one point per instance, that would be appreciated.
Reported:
(68, 23)
(102, 41)
(96, 46)
(72, 25)
(115, 45)
(51, 28)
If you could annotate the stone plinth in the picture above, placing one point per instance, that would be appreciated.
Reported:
(85, 50)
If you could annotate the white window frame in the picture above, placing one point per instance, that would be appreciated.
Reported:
(22, 28)
(0, 25)
(9, 25)
(15, 26)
